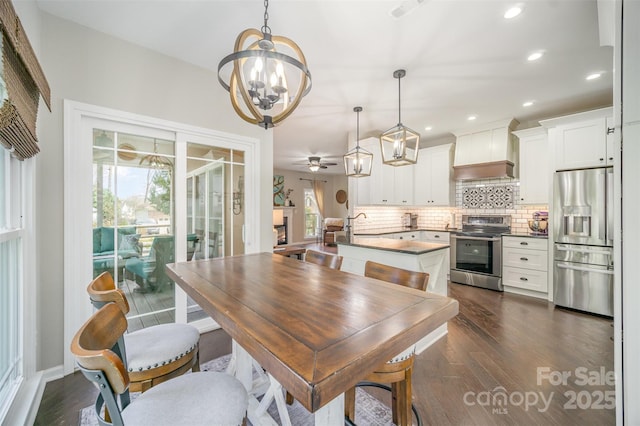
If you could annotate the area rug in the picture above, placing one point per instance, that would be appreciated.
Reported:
(369, 410)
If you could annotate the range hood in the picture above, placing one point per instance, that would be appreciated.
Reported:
(487, 152)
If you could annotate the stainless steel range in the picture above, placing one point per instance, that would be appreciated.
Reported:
(476, 251)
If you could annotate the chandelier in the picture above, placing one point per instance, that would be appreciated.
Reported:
(399, 144)
(269, 76)
(358, 161)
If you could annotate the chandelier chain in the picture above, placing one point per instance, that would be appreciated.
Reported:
(265, 28)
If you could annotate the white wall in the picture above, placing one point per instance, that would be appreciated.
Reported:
(91, 67)
(331, 206)
(630, 207)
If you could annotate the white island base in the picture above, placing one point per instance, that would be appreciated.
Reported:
(416, 256)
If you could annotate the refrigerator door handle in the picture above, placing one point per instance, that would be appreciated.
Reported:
(609, 218)
(577, 250)
(601, 194)
(585, 269)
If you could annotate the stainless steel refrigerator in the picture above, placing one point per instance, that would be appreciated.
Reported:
(583, 233)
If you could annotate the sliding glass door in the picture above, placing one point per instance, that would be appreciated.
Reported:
(141, 192)
(133, 221)
(215, 206)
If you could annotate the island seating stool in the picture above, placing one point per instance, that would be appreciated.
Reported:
(398, 370)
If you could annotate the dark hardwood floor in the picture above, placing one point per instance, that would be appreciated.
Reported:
(497, 365)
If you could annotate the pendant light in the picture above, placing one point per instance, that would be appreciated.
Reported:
(358, 161)
(399, 144)
(265, 77)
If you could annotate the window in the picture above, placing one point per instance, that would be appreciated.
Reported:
(311, 214)
(11, 280)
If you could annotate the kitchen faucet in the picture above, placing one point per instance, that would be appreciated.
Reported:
(348, 227)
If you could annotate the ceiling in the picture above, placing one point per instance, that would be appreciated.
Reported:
(462, 57)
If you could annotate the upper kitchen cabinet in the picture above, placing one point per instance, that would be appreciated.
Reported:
(387, 185)
(433, 183)
(485, 152)
(534, 166)
(581, 140)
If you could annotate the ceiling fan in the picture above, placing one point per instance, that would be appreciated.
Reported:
(316, 164)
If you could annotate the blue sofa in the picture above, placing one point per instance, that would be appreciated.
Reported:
(104, 242)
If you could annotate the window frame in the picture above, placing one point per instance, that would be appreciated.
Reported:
(17, 186)
(310, 194)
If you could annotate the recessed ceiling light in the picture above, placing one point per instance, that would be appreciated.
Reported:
(534, 56)
(428, 128)
(527, 104)
(593, 76)
(471, 117)
(513, 12)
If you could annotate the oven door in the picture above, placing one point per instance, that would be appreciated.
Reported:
(480, 255)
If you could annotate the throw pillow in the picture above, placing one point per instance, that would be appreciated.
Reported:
(106, 239)
(130, 242)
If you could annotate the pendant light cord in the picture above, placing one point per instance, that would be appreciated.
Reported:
(399, 111)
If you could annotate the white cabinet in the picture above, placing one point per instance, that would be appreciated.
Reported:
(362, 186)
(581, 140)
(435, 237)
(387, 185)
(525, 265)
(534, 166)
(433, 183)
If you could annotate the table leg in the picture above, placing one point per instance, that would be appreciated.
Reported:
(331, 414)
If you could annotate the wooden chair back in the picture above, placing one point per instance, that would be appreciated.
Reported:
(413, 279)
(329, 260)
(102, 290)
(92, 345)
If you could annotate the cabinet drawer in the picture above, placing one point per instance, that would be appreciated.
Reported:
(528, 259)
(525, 243)
(525, 278)
(436, 237)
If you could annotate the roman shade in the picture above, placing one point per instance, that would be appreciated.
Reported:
(22, 82)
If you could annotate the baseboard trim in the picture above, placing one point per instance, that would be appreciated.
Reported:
(431, 338)
(26, 403)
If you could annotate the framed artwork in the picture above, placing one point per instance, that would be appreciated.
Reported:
(278, 190)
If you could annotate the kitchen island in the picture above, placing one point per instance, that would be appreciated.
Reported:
(407, 254)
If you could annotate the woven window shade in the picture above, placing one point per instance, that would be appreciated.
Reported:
(21, 84)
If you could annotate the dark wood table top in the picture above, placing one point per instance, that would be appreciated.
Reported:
(318, 331)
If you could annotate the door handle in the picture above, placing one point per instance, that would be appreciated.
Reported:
(524, 258)
(583, 269)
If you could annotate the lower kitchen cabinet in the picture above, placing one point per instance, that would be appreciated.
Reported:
(525, 265)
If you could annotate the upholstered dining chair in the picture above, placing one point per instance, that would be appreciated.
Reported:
(329, 260)
(153, 354)
(398, 370)
(198, 398)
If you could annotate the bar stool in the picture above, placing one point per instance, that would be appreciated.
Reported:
(153, 354)
(398, 370)
(198, 398)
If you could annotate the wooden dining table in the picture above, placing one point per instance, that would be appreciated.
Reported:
(315, 330)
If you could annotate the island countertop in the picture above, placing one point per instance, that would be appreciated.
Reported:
(397, 229)
(390, 244)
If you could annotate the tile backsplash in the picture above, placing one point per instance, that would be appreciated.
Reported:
(491, 196)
